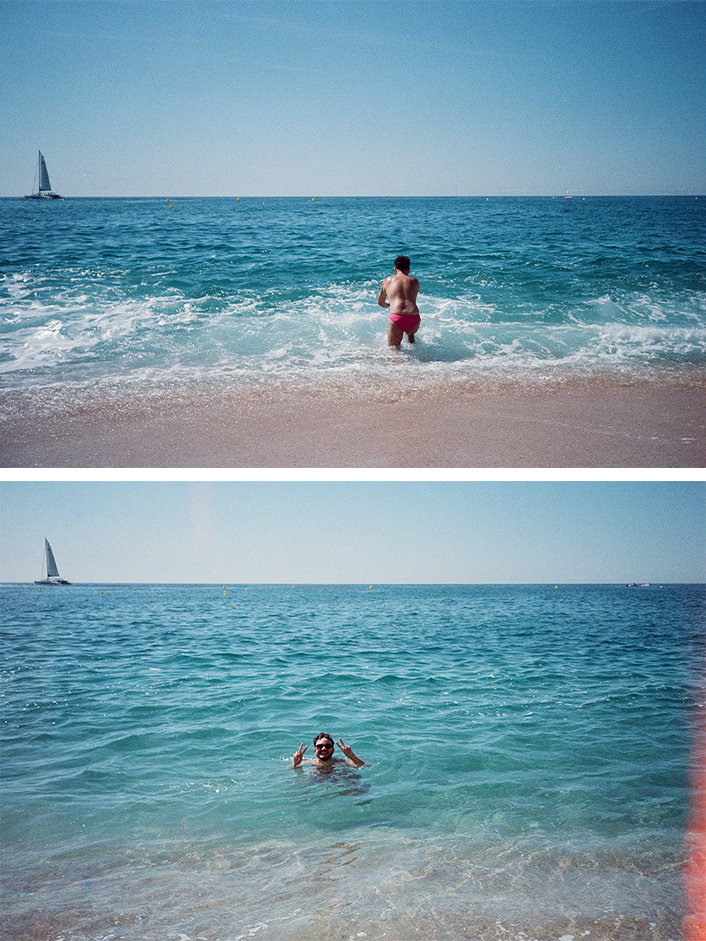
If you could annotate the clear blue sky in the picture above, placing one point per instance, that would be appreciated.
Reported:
(367, 97)
(360, 532)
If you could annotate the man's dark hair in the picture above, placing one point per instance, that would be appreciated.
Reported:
(402, 263)
(317, 738)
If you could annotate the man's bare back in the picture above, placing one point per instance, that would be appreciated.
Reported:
(399, 292)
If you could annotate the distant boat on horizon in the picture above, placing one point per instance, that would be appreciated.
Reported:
(52, 572)
(44, 191)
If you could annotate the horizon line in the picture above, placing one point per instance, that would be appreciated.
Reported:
(225, 584)
(312, 198)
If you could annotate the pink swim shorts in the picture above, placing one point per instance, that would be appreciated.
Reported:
(406, 321)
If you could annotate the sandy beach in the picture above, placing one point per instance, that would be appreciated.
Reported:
(563, 422)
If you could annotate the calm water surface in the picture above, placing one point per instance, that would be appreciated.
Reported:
(527, 754)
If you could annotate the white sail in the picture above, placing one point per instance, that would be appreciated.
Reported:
(52, 577)
(52, 570)
(44, 183)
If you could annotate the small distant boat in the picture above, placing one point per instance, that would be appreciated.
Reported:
(52, 572)
(44, 191)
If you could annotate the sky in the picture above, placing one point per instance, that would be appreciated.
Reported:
(360, 98)
(394, 532)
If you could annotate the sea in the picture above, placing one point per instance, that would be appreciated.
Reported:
(131, 296)
(526, 747)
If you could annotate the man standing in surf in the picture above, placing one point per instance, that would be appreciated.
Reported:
(399, 293)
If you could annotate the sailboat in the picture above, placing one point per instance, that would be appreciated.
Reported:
(53, 577)
(44, 191)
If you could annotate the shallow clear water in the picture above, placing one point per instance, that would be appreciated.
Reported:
(527, 754)
(282, 289)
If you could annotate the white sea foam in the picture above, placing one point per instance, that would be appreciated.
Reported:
(290, 291)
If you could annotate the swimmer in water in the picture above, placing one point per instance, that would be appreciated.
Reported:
(399, 293)
(323, 751)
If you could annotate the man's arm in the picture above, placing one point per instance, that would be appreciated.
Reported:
(350, 757)
(382, 298)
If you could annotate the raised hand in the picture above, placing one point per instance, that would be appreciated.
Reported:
(298, 755)
(348, 752)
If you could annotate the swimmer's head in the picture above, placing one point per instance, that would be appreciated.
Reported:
(403, 264)
(323, 744)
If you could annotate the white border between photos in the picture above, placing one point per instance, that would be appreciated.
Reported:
(396, 475)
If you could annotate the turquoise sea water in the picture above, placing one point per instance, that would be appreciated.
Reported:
(104, 291)
(527, 754)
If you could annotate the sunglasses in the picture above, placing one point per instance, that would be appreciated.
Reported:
(324, 745)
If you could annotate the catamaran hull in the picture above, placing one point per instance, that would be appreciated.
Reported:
(52, 581)
(44, 196)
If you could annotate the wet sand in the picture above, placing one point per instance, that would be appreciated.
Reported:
(583, 422)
